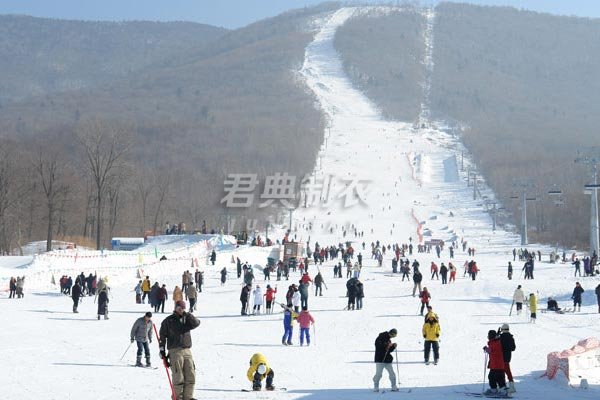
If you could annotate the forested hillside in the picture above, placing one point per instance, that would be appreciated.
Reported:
(525, 84)
(232, 105)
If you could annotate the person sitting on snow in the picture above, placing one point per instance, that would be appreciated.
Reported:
(553, 305)
(259, 369)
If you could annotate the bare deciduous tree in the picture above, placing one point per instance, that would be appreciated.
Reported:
(105, 146)
(51, 168)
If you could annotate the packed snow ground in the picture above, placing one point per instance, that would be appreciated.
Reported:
(51, 353)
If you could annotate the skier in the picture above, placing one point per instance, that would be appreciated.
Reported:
(223, 276)
(383, 358)
(496, 366)
(75, 295)
(424, 296)
(19, 288)
(577, 265)
(213, 257)
(192, 295)
(289, 315)
(577, 292)
(431, 333)
(552, 305)
(417, 278)
(510, 271)
(244, 295)
(270, 296)
(141, 332)
(519, 299)
(259, 369)
(175, 337)
(508, 346)
(533, 307)
(305, 320)
(258, 300)
(103, 302)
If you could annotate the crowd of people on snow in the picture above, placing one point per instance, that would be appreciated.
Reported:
(175, 329)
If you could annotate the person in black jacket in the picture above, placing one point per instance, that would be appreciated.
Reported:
(508, 346)
(244, 298)
(175, 336)
(75, 295)
(577, 292)
(103, 302)
(383, 358)
(417, 278)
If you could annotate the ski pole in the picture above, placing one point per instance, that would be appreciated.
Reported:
(314, 335)
(121, 359)
(511, 308)
(173, 395)
(484, 368)
(397, 369)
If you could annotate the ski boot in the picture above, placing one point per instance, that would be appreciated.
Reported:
(270, 388)
(138, 362)
(148, 363)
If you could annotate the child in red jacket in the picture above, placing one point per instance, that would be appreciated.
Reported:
(496, 365)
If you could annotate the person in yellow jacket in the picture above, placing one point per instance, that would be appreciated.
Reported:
(431, 334)
(533, 307)
(146, 288)
(259, 369)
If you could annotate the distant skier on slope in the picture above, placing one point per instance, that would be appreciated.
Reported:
(519, 299)
(289, 315)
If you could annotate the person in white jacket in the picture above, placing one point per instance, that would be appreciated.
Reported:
(296, 301)
(258, 299)
(519, 299)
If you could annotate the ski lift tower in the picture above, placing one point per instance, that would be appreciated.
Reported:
(591, 158)
(524, 199)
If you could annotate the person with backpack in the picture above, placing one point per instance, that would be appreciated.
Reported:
(360, 294)
(319, 281)
(103, 302)
(383, 358)
(146, 287)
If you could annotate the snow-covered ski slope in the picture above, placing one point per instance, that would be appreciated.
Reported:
(51, 353)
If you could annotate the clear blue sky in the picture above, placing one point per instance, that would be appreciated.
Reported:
(232, 13)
